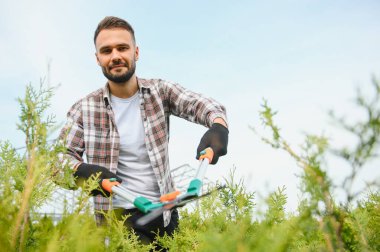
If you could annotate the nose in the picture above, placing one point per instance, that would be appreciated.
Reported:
(115, 55)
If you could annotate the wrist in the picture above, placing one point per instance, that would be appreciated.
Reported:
(75, 168)
(220, 121)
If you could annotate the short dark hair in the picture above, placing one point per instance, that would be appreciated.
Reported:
(111, 22)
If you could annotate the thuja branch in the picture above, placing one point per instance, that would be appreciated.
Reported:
(35, 127)
(367, 134)
(314, 179)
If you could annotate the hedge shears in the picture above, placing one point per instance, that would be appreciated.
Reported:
(168, 201)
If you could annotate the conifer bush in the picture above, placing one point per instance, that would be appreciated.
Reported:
(227, 220)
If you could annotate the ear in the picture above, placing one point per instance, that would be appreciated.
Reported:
(137, 53)
(97, 59)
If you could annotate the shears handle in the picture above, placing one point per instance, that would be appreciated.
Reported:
(113, 186)
(195, 186)
(108, 184)
(205, 159)
(142, 203)
(207, 153)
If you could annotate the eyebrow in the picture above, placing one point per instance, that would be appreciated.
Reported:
(118, 45)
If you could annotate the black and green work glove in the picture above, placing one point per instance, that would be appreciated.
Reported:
(85, 171)
(215, 137)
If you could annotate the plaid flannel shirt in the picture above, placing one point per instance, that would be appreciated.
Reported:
(91, 129)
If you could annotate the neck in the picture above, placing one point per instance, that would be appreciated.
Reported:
(124, 90)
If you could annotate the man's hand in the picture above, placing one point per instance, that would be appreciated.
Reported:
(85, 171)
(216, 138)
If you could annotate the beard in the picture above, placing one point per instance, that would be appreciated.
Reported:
(122, 77)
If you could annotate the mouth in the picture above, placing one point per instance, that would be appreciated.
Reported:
(117, 66)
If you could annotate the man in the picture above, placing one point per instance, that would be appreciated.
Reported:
(123, 128)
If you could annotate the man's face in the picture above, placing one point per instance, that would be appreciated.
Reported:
(116, 54)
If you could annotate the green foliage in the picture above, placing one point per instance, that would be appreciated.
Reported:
(276, 207)
(227, 220)
(367, 134)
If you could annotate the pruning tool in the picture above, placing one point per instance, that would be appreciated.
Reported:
(167, 201)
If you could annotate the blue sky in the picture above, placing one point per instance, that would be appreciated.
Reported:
(304, 56)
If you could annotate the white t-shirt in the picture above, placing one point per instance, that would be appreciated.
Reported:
(134, 166)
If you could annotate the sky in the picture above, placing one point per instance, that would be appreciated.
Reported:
(305, 57)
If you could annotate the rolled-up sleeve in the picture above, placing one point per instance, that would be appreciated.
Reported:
(72, 136)
(193, 106)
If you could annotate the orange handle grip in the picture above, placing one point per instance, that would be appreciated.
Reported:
(107, 184)
(170, 196)
(207, 153)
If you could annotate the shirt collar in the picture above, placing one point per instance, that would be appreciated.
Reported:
(106, 95)
(143, 85)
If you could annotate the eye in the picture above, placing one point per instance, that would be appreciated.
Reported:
(105, 51)
(122, 48)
